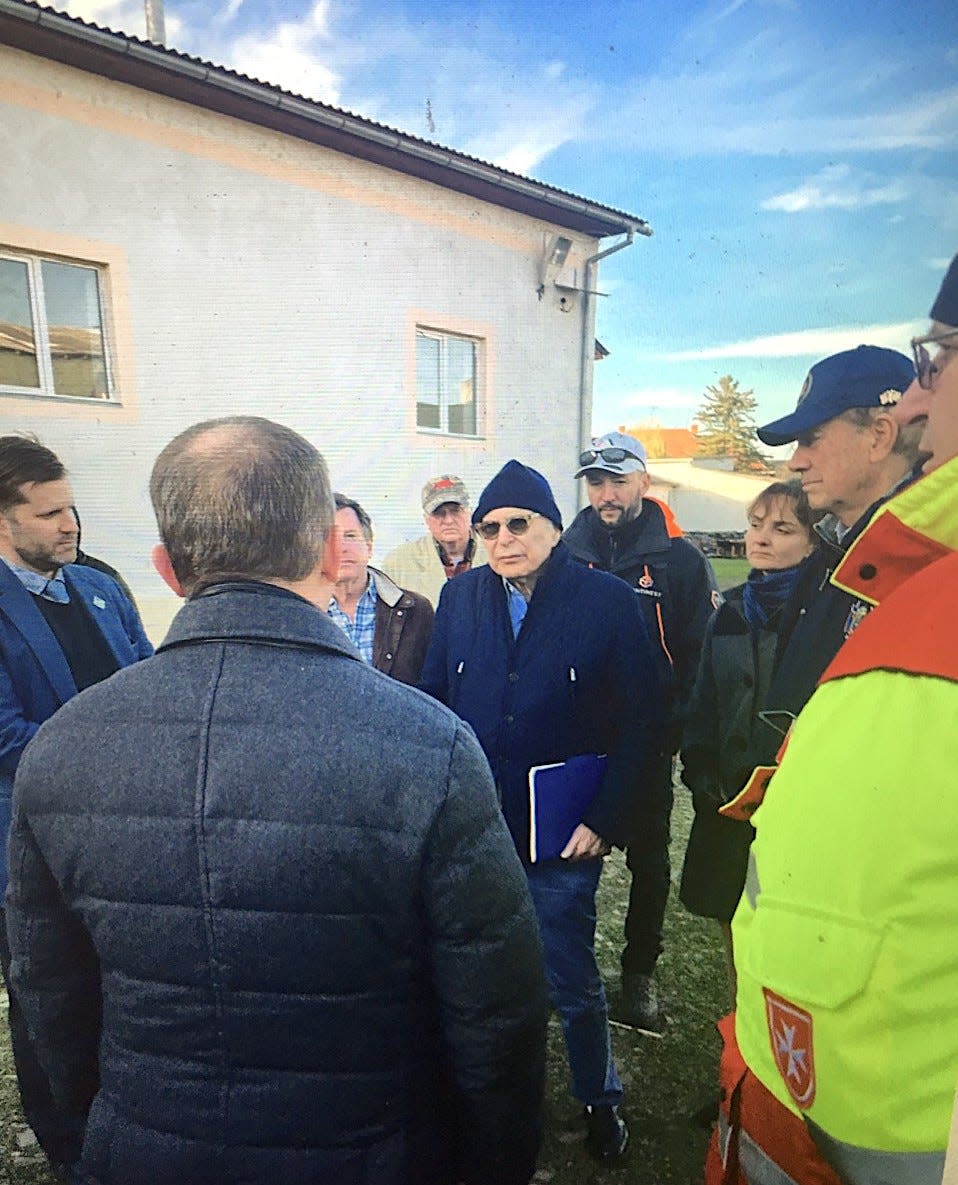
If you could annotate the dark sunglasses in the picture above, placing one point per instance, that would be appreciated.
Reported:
(488, 529)
(613, 455)
(926, 367)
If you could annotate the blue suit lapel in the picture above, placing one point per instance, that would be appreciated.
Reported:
(18, 607)
(102, 614)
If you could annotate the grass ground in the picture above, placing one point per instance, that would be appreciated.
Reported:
(665, 1081)
(730, 572)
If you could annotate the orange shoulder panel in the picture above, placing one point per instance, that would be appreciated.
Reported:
(887, 553)
(915, 630)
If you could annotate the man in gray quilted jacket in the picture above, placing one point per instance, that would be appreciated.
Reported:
(267, 921)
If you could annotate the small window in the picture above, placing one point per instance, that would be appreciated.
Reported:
(52, 339)
(446, 383)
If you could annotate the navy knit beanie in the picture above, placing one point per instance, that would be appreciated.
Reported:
(521, 486)
(945, 308)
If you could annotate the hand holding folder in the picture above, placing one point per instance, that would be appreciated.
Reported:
(559, 795)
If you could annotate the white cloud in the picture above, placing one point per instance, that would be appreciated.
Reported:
(807, 343)
(519, 131)
(294, 56)
(122, 16)
(653, 397)
(765, 88)
(836, 188)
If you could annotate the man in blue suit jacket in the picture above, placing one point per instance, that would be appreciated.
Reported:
(63, 627)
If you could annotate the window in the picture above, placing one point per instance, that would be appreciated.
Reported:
(446, 382)
(52, 339)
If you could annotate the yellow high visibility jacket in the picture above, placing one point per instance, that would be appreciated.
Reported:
(846, 938)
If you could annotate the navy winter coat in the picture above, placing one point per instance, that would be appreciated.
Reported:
(287, 878)
(580, 678)
(815, 621)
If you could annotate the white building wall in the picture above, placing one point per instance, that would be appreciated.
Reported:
(704, 498)
(256, 273)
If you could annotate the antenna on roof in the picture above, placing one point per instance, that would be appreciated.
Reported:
(155, 21)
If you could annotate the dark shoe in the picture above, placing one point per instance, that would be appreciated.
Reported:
(608, 1133)
(640, 1007)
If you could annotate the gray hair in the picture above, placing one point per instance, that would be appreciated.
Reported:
(241, 497)
(907, 437)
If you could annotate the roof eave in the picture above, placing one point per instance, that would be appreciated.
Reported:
(49, 34)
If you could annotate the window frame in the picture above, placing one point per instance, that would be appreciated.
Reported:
(36, 295)
(432, 332)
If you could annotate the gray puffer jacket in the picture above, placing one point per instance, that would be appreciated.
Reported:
(286, 878)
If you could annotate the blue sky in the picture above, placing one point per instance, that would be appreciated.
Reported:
(797, 159)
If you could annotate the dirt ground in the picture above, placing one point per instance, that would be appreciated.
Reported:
(665, 1080)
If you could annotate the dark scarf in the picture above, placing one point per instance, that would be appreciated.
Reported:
(765, 593)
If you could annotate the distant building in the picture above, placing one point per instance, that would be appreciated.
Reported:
(704, 497)
(662, 442)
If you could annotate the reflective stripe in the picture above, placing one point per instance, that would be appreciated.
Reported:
(724, 1137)
(752, 886)
(869, 1166)
(752, 1161)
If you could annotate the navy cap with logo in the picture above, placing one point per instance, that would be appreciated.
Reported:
(945, 308)
(868, 376)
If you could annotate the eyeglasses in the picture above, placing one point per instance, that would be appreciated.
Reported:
(488, 529)
(613, 455)
(447, 510)
(926, 367)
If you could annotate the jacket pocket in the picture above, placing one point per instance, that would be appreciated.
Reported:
(808, 955)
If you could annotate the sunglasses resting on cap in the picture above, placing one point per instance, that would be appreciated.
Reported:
(613, 455)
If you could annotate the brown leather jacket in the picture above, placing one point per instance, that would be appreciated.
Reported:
(403, 629)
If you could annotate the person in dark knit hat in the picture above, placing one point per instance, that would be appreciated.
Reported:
(842, 1060)
(551, 664)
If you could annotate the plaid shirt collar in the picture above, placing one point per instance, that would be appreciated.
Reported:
(361, 631)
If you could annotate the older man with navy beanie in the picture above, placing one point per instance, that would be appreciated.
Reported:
(551, 664)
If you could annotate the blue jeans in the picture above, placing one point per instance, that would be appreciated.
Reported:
(563, 893)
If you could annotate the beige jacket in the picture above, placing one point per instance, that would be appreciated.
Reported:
(416, 566)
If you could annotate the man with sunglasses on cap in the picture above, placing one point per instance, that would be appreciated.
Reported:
(846, 1021)
(629, 535)
(424, 565)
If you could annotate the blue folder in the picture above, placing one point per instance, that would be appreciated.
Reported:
(559, 796)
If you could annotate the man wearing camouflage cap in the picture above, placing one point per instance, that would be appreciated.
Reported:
(425, 564)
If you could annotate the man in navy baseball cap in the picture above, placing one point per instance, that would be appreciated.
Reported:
(849, 448)
(852, 451)
(868, 376)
